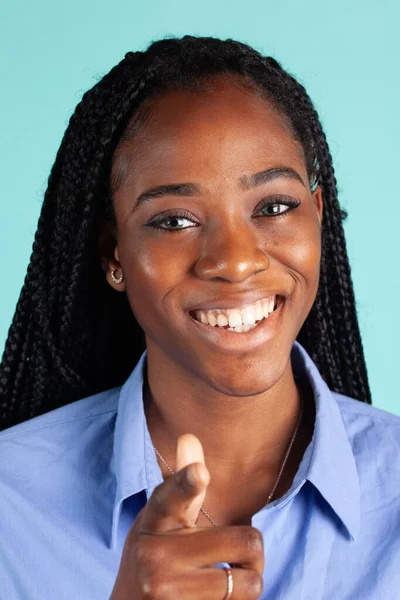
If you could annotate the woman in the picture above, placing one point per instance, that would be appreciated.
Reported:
(183, 384)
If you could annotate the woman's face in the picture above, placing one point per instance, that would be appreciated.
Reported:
(199, 186)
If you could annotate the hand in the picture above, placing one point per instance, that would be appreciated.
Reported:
(166, 556)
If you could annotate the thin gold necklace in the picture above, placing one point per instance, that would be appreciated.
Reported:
(205, 513)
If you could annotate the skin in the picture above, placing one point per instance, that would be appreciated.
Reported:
(214, 138)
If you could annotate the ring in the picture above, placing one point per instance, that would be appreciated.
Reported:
(230, 583)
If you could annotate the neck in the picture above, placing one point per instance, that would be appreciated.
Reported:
(247, 435)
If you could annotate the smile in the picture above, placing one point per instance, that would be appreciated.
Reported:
(238, 320)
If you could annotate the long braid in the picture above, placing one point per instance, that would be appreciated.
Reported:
(70, 331)
(59, 247)
(336, 292)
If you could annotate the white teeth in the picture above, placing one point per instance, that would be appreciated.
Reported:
(212, 319)
(259, 311)
(242, 329)
(235, 319)
(271, 303)
(247, 316)
(222, 321)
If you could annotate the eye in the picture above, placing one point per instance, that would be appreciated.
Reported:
(173, 222)
(278, 205)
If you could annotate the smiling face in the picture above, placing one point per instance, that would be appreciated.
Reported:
(243, 227)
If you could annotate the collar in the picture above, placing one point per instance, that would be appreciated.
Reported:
(128, 459)
(328, 462)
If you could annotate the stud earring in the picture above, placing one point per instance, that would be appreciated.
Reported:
(115, 279)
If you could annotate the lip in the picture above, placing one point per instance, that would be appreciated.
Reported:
(238, 301)
(231, 342)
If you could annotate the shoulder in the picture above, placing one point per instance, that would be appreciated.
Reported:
(61, 456)
(361, 416)
(351, 405)
(86, 408)
(374, 435)
(56, 487)
(50, 434)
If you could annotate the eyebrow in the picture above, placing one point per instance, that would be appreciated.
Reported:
(245, 182)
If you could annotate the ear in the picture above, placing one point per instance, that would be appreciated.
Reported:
(107, 247)
(319, 202)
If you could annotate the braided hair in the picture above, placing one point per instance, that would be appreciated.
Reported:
(72, 335)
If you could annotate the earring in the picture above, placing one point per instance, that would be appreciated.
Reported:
(115, 279)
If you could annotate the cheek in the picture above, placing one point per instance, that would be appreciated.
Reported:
(160, 263)
(306, 256)
(298, 248)
(152, 271)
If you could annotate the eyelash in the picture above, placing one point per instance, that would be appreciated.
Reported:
(183, 214)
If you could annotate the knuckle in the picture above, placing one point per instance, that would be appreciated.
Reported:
(140, 556)
(254, 585)
(153, 583)
(254, 541)
(147, 588)
(151, 551)
(158, 553)
(158, 501)
(155, 589)
(166, 592)
(143, 554)
(181, 481)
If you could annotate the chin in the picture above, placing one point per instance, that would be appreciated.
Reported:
(245, 382)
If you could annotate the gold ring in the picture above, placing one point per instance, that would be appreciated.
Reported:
(230, 583)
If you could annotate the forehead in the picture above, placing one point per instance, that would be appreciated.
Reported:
(217, 131)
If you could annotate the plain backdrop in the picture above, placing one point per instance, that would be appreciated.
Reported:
(346, 53)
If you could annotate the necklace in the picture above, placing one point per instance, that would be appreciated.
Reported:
(205, 513)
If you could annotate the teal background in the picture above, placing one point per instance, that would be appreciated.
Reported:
(346, 53)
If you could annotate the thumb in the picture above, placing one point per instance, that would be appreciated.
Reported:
(189, 450)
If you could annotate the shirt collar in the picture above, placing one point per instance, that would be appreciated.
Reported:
(331, 467)
(128, 458)
(328, 463)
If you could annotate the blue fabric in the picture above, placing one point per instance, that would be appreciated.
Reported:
(73, 480)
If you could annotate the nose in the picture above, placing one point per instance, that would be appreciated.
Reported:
(232, 254)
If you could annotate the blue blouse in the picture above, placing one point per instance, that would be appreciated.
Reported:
(73, 480)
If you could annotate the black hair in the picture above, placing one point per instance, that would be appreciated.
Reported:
(72, 335)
